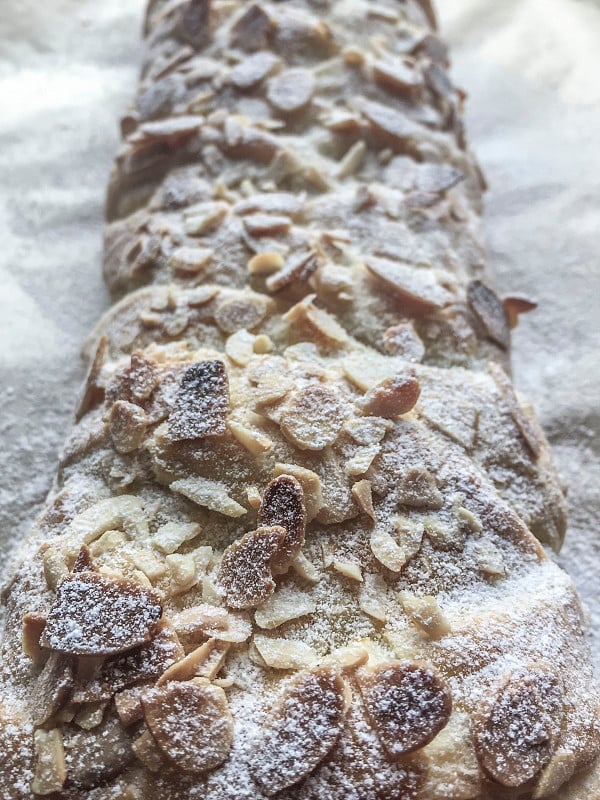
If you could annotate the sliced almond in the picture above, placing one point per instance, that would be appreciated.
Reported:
(313, 418)
(387, 551)
(202, 402)
(191, 723)
(311, 486)
(305, 728)
(348, 569)
(284, 653)
(55, 566)
(291, 90)
(283, 505)
(94, 615)
(93, 389)
(371, 597)
(352, 159)
(190, 259)
(265, 263)
(124, 512)
(362, 460)
(255, 443)
(392, 397)
(426, 614)
(297, 269)
(183, 572)
(253, 69)
(318, 323)
(367, 431)
(209, 494)
(488, 308)
(523, 422)
(203, 662)
(241, 313)
(245, 571)
(420, 288)
(33, 627)
(516, 305)
(128, 704)
(418, 489)
(52, 687)
(361, 491)
(169, 537)
(398, 130)
(408, 704)
(197, 623)
(50, 768)
(148, 752)
(204, 217)
(239, 347)
(283, 607)
(127, 424)
(517, 730)
(306, 569)
(489, 559)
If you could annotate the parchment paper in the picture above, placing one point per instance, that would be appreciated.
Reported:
(531, 67)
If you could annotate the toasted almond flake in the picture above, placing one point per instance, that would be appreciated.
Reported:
(271, 389)
(147, 562)
(518, 728)
(283, 607)
(128, 705)
(313, 418)
(471, 519)
(352, 159)
(55, 566)
(254, 498)
(361, 491)
(170, 536)
(253, 69)
(311, 486)
(190, 259)
(304, 729)
(371, 596)
(33, 627)
(346, 658)
(245, 571)
(297, 269)
(283, 505)
(361, 460)
(265, 263)
(256, 443)
(408, 703)
(182, 569)
(191, 723)
(365, 370)
(209, 494)
(284, 653)
(240, 347)
(265, 202)
(90, 716)
(348, 569)
(267, 224)
(367, 430)
(291, 90)
(392, 397)
(127, 425)
(94, 615)
(318, 323)
(202, 402)
(93, 388)
(50, 768)
(242, 312)
(418, 489)
(421, 289)
(387, 551)
(490, 311)
(399, 130)
(108, 543)
(306, 569)
(114, 513)
(399, 76)
(425, 613)
(52, 687)
(204, 217)
(489, 559)
(516, 305)
(204, 661)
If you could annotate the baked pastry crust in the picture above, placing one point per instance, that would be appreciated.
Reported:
(294, 544)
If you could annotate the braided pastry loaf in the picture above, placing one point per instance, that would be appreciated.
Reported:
(293, 548)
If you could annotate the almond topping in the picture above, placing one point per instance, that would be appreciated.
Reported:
(307, 724)
(202, 402)
(127, 425)
(94, 615)
(524, 423)
(283, 607)
(284, 653)
(283, 505)
(265, 263)
(392, 397)
(361, 491)
(183, 572)
(93, 390)
(407, 702)
(122, 512)
(204, 217)
(425, 613)
(517, 732)
(203, 662)
(311, 486)
(291, 90)
(488, 308)
(418, 489)
(191, 723)
(239, 347)
(349, 569)
(516, 305)
(255, 443)
(420, 289)
(297, 270)
(33, 626)
(148, 752)
(190, 259)
(209, 494)
(241, 313)
(313, 418)
(170, 536)
(50, 769)
(245, 571)
(200, 622)
(52, 687)
(253, 69)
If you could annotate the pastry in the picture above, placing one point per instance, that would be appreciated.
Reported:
(296, 543)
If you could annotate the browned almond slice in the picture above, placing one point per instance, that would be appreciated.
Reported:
(392, 397)
(267, 224)
(251, 30)
(191, 723)
(418, 287)
(84, 562)
(93, 391)
(399, 77)
(33, 627)
(95, 615)
(407, 702)
(488, 308)
(94, 757)
(515, 305)
(283, 505)
(202, 402)
(306, 727)
(253, 69)
(245, 571)
(291, 90)
(397, 128)
(313, 418)
(143, 376)
(516, 734)
(52, 687)
(296, 270)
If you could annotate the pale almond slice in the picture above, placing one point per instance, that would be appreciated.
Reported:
(124, 512)
(209, 494)
(271, 203)
(52, 687)
(182, 568)
(203, 662)
(387, 551)
(313, 418)
(204, 217)
(392, 397)
(398, 76)
(245, 572)
(348, 569)
(265, 263)
(523, 422)
(398, 130)
(352, 159)
(94, 615)
(368, 430)
(420, 288)
(426, 614)
(93, 388)
(191, 724)
(267, 224)
(127, 424)
(361, 460)
(306, 726)
(297, 270)
(255, 443)
(253, 69)
(490, 311)
(418, 489)
(202, 402)
(361, 491)
(283, 505)
(306, 569)
(239, 347)
(50, 768)
(241, 313)
(205, 621)
(169, 537)
(280, 653)
(372, 596)
(517, 730)
(190, 259)
(291, 90)
(408, 704)
(283, 607)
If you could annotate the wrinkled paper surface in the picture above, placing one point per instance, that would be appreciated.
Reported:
(67, 71)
